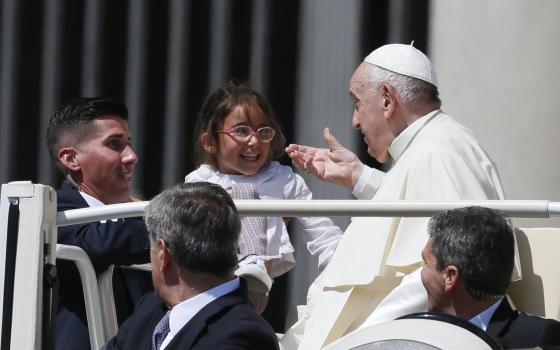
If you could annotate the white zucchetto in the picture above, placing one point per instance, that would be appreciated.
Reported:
(404, 59)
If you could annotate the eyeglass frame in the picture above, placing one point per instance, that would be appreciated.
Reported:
(231, 131)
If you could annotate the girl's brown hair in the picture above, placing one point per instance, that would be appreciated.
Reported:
(219, 105)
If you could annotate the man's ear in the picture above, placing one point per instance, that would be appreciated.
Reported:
(451, 277)
(68, 156)
(389, 98)
(207, 143)
(164, 256)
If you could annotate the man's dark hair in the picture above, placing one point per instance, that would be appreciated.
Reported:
(200, 224)
(480, 243)
(72, 119)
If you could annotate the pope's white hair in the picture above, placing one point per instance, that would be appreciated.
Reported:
(412, 92)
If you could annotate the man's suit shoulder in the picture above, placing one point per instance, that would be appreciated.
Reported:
(135, 332)
(544, 331)
(69, 198)
(239, 327)
(123, 242)
(513, 328)
(230, 321)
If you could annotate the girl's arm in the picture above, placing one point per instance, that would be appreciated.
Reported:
(320, 234)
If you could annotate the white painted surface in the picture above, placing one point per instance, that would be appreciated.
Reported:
(497, 62)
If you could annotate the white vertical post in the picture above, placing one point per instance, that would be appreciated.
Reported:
(21, 277)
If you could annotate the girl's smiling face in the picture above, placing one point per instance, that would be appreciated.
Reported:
(237, 157)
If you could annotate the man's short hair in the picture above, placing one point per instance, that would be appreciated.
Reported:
(200, 224)
(480, 243)
(72, 119)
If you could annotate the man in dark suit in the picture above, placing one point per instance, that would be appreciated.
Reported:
(468, 262)
(515, 329)
(89, 141)
(198, 302)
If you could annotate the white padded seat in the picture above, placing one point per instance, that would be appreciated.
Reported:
(538, 292)
(439, 332)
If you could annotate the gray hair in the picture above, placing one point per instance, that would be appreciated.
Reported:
(200, 224)
(480, 243)
(411, 91)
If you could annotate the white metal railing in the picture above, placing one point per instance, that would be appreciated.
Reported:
(107, 300)
(514, 208)
(91, 291)
(98, 292)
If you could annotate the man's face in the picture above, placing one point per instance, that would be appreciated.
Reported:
(369, 116)
(433, 281)
(106, 160)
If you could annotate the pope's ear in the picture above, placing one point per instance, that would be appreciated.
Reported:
(68, 156)
(207, 143)
(389, 98)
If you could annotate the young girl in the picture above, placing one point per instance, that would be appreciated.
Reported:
(238, 137)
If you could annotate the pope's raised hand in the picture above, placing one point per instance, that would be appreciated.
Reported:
(335, 164)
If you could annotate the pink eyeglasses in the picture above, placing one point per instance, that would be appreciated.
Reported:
(244, 133)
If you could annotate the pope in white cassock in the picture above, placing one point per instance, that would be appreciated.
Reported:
(435, 158)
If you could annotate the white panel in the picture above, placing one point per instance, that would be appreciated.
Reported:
(497, 63)
(328, 55)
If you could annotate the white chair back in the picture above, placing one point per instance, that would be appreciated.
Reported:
(538, 292)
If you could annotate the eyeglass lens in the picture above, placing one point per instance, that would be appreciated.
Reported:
(265, 133)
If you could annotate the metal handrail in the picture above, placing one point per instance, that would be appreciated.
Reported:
(364, 208)
(91, 291)
(513, 208)
(108, 310)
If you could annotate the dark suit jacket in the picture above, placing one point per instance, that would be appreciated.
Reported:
(514, 329)
(124, 242)
(228, 322)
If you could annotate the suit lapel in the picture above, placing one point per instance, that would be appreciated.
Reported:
(502, 318)
(191, 331)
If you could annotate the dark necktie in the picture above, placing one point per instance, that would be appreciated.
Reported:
(160, 332)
